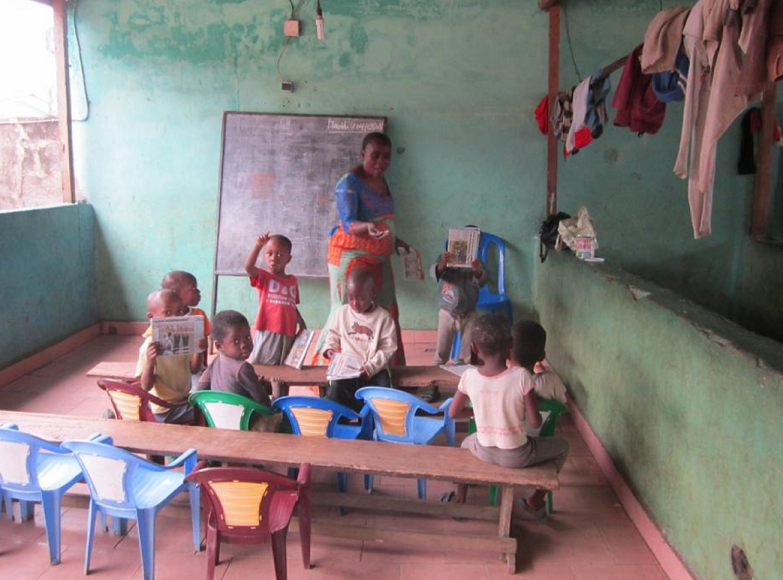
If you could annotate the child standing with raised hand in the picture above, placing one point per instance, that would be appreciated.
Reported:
(278, 294)
(504, 401)
(365, 330)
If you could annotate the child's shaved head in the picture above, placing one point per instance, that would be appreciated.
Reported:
(529, 343)
(174, 280)
(163, 303)
(491, 334)
(359, 278)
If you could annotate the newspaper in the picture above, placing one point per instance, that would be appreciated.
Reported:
(344, 366)
(411, 264)
(296, 355)
(463, 246)
(178, 335)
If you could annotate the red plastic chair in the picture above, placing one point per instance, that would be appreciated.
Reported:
(131, 402)
(244, 505)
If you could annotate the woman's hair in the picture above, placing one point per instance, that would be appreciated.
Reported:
(529, 342)
(376, 137)
(225, 320)
(491, 334)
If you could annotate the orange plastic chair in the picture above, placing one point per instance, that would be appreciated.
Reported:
(251, 506)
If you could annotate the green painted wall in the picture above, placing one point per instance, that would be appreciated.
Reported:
(160, 73)
(687, 403)
(47, 277)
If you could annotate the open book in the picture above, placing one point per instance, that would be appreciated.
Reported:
(298, 350)
(463, 246)
(344, 366)
(178, 335)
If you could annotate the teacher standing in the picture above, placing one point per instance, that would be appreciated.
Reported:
(365, 238)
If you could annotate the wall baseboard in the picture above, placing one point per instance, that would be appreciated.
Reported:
(47, 355)
(667, 557)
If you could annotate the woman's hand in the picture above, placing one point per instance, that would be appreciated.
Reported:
(376, 232)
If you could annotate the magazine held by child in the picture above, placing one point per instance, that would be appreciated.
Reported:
(178, 335)
(463, 246)
(298, 350)
(344, 366)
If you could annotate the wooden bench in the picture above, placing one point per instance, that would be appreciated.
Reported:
(409, 377)
(428, 462)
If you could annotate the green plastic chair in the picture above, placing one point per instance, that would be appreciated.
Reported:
(555, 409)
(227, 410)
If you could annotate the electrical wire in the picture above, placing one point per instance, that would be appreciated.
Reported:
(570, 45)
(294, 12)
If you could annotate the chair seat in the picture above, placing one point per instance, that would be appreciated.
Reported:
(345, 431)
(153, 487)
(425, 430)
(55, 471)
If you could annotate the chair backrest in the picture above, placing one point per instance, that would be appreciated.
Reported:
(111, 472)
(314, 417)
(130, 401)
(554, 408)
(240, 497)
(487, 241)
(393, 411)
(225, 410)
(19, 455)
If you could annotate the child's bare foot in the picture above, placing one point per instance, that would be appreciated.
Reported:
(279, 388)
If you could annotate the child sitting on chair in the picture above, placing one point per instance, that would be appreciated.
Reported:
(229, 371)
(504, 402)
(186, 286)
(365, 330)
(168, 377)
(459, 292)
(278, 295)
(529, 351)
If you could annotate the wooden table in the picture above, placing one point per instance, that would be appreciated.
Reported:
(415, 461)
(409, 377)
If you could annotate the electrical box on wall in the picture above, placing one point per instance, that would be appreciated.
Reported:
(288, 86)
(291, 28)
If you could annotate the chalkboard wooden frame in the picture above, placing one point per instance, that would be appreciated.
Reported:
(239, 196)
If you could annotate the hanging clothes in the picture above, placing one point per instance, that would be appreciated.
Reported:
(670, 86)
(562, 114)
(581, 93)
(663, 39)
(595, 119)
(775, 43)
(637, 106)
(753, 42)
(542, 115)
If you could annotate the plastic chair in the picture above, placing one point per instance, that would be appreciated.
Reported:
(227, 410)
(251, 506)
(126, 486)
(553, 409)
(131, 402)
(35, 470)
(395, 420)
(313, 417)
(489, 300)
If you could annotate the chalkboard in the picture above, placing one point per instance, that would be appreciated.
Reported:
(278, 173)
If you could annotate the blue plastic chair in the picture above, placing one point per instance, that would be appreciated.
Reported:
(488, 300)
(313, 417)
(395, 420)
(36, 470)
(126, 486)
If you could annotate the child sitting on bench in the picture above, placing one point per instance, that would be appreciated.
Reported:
(504, 401)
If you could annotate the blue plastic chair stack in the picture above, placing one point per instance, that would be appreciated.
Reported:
(35, 470)
(395, 420)
(126, 486)
(313, 417)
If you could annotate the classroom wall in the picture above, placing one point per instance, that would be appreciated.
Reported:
(687, 404)
(48, 277)
(458, 82)
(640, 206)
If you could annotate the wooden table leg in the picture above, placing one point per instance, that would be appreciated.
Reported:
(504, 527)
